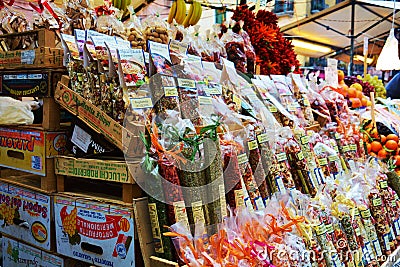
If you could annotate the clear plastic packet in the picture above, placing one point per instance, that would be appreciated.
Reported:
(160, 60)
(79, 17)
(164, 90)
(249, 49)
(189, 100)
(234, 46)
(211, 73)
(155, 29)
(322, 153)
(177, 51)
(131, 65)
(134, 34)
(300, 93)
(193, 67)
(110, 25)
(320, 109)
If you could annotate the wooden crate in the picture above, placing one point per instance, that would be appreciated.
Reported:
(42, 57)
(44, 37)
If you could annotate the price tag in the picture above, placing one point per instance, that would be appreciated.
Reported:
(239, 198)
(386, 242)
(273, 109)
(394, 203)
(281, 186)
(242, 158)
(306, 102)
(170, 91)
(355, 211)
(366, 214)
(320, 229)
(323, 162)
(353, 147)
(397, 226)
(346, 149)
(181, 214)
(292, 107)
(377, 202)
(281, 157)
(187, 83)
(337, 136)
(81, 138)
(141, 103)
(358, 231)
(333, 158)
(237, 101)
(252, 145)
(383, 184)
(300, 156)
(204, 100)
(224, 211)
(262, 138)
(336, 148)
(305, 140)
(329, 228)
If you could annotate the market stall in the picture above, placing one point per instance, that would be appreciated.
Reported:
(148, 142)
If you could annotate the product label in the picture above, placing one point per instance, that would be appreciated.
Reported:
(272, 109)
(214, 89)
(394, 203)
(300, 156)
(336, 148)
(242, 158)
(333, 158)
(305, 140)
(248, 203)
(306, 102)
(262, 138)
(377, 247)
(259, 203)
(280, 185)
(141, 103)
(386, 241)
(197, 210)
(170, 91)
(383, 184)
(237, 101)
(346, 149)
(320, 229)
(205, 100)
(353, 147)
(239, 198)
(155, 228)
(323, 162)
(253, 145)
(397, 227)
(358, 231)
(181, 214)
(281, 157)
(224, 212)
(337, 136)
(329, 228)
(376, 202)
(187, 83)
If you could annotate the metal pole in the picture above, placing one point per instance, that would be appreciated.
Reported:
(351, 65)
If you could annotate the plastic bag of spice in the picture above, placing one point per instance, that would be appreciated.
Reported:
(249, 49)
(235, 49)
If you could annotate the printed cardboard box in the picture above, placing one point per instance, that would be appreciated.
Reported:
(26, 215)
(18, 254)
(95, 232)
(27, 150)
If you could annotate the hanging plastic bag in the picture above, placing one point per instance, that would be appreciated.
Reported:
(15, 112)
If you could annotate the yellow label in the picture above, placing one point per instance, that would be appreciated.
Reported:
(306, 102)
(376, 202)
(366, 214)
(253, 145)
(222, 200)
(394, 204)
(262, 138)
(355, 211)
(337, 136)
(346, 149)
(242, 158)
(320, 229)
(358, 231)
(140, 103)
(181, 214)
(204, 100)
(239, 198)
(336, 148)
(383, 184)
(353, 147)
(323, 162)
(155, 228)
(273, 109)
(281, 157)
(186, 83)
(170, 91)
(305, 140)
(197, 210)
(300, 156)
(333, 158)
(237, 101)
(213, 91)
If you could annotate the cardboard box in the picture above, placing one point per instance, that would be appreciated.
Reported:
(26, 83)
(27, 150)
(92, 116)
(26, 215)
(107, 170)
(42, 57)
(18, 254)
(94, 232)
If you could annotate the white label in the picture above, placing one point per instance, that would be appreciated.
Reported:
(386, 241)
(197, 210)
(81, 138)
(28, 57)
(248, 204)
(397, 226)
(377, 247)
(259, 203)
(205, 100)
(224, 212)
(281, 186)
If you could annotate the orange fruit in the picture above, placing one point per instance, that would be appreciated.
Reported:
(352, 92)
(372, 154)
(382, 154)
(364, 101)
(360, 95)
(369, 148)
(355, 102)
(376, 146)
(340, 75)
(392, 137)
(383, 139)
(369, 103)
(391, 144)
(397, 160)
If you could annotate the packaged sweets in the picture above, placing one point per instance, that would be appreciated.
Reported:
(160, 61)
(132, 66)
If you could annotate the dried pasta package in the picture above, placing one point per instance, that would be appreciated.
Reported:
(234, 46)
(160, 61)
(131, 65)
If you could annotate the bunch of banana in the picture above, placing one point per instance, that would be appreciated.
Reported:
(194, 14)
(121, 4)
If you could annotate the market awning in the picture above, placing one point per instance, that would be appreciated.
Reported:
(332, 27)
